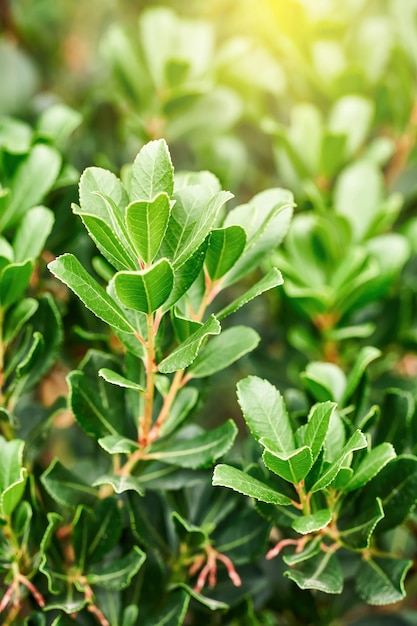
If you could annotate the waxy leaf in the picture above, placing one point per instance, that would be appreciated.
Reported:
(32, 233)
(371, 465)
(291, 466)
(147, 223)
(223, 350)
(381, 580)
(317, 427)
(321, 572)
(114, 378)
(265, 412)
(356, 534)
(145, 290)
(272, 279)
(228, 476)
(70, 271)
(356, 442)
(152, 172)
(196, 452)
(66, 488)
(108, 243)
(14, 280)
(225, 247)
(312, 523)
(185, 354)
(12, 474)
(117, 574)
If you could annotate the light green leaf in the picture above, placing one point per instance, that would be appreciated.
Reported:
(292, 466)
(196, 452)
(120, 484)
(32, 233)
(185, 275)
(321, 572)
(32, 181)
(265, 412)
(312, 523)
(185, 354)
(146, 223)
(116, 444)
(371, 465)
(355, 442)
(312, 549)
(325, 381)
(145, 290)
(117, 574)
(381, 580)
(228, 476)
(12, 474)
(185, 401)
(152, 172)
(272, 279)
(183, 327)
(225, 247)
(108, 242)
(117, 379)
(66, 488)
(57, 123)
(356, 533)
(70, 271)
(14, 280)
(318, 426)
(366, 355)
(224, 350)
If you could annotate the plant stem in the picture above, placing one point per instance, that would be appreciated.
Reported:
(145, 423)
(176, 385)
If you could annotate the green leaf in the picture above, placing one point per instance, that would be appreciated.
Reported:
(120, 484)
(66, 488)
(185, 401)
(152, 172)
(115, 444)
(185, 275)
(366, 355)
(196, 452)
(228, 476)
(225, 247)
(32, 233)
(355, 442)
(12, 474)
(244, 540)
(145, 290)
(396, 486)
(291, 466)
(356, 533)
(185, 354)
(312, 523)
(272, 279)
(224, 350)
(33, 179)
(108, 242)
(70, 271)
(117, 574)
(321, 572)
(312, 548)
(14, 280)
(325, 381)
(192, 218)
(147, 223)
(265, 412)
(114, 378)
(370, 466)
(380, 581)
(183, 327)
(95, 533)
(57, 123)
(173, 612)
(317, 427)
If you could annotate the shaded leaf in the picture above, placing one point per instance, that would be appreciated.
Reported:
(321, 572)
(12, 474)
(356, 534)
(66, 488)
(380, 581)
(14, 280)
(356, 442)
(117, 574)
(272, 279)
(120, 484)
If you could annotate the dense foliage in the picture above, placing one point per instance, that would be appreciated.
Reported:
(208, 313)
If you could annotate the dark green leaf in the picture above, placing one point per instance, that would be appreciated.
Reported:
(114, 378)
(291, 466)
(14, 280)
(173, 612)
(116, 444)
(17, 317)
(321, 572)
(381, 581)
(117, 574)
(96, 532)
(356, 533)
(120, 484)
(66, 488)
(272, 279)
(356, 442)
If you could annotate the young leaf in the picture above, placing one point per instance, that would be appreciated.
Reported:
(224, 350)
(114, 378)
(14, 280)
(325, 381)
(356, 442)
(225, 247)
(197, 452)
(371, 465)
(66, 488)
(291, 466)
(152, 172)
(228, 476)
(117, 575)
(147, 223)
(272, 279)
(70, 271)
(321, 572)
(108, 242)
(317, 427)
(265, 412)
(32, 233)
(185, 354)
(381, 580)
(12, 474)
(103, 195)
(312, 523)
(145, 290)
